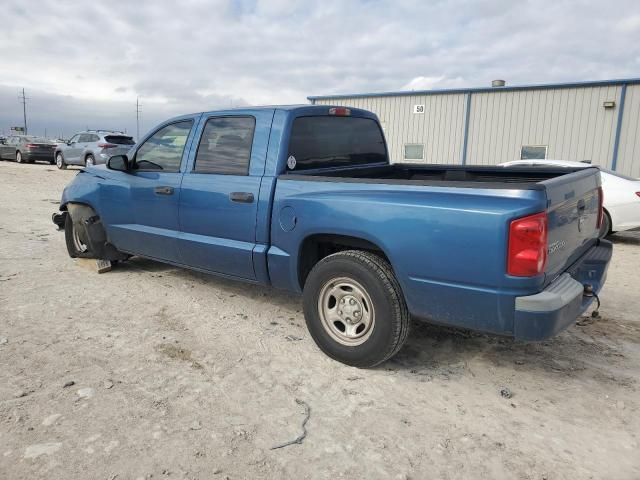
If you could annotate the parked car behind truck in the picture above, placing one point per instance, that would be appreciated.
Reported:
(27, 149)
(92, 147)
(621, 195)
(303, 198)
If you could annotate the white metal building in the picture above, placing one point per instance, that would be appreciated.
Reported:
(597, 121)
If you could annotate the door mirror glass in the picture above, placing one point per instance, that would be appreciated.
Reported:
(119, 163)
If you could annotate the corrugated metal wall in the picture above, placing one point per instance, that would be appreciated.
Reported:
(629, 148)
(440, 128)
(571, 122)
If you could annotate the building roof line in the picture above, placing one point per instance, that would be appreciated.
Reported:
(450, 91)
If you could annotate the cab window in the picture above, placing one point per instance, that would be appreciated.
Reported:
(225, 147)
(163, 150)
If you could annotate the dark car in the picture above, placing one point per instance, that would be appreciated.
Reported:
(27, 148)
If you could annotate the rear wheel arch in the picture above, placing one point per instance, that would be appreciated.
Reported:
(317, 246)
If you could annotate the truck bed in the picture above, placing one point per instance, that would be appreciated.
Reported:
(468, 176)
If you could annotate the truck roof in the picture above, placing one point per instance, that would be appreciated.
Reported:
(304, 107)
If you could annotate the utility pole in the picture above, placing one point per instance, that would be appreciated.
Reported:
(138, 110)
(24, 99)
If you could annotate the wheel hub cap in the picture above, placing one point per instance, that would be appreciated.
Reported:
(346, 311)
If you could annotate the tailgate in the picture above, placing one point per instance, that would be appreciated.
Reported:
(573, 209)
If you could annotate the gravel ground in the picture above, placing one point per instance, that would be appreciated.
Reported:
(151, 371)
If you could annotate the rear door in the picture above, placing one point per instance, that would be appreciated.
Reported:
(141, 206)
(573, 206)
(219, 198)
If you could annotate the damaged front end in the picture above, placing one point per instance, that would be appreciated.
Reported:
(85, 231)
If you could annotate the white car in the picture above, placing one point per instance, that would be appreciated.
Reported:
(621, 194)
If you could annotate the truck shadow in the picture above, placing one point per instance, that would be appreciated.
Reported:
(625, 238)
(591, 350)
(228, 287)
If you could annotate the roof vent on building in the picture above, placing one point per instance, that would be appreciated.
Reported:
(498, 83)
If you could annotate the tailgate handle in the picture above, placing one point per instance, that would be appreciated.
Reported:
(581, 205)
(242, 197)
(163, 190)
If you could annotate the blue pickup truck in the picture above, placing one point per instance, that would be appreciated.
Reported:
(304, 198)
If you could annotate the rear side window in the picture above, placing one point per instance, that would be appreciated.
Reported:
(328, 141)
(225, 146)
(119, 140)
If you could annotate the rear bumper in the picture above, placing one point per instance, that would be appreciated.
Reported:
(48, 156)
(545, 314)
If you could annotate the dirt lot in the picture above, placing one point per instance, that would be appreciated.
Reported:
(151, 371)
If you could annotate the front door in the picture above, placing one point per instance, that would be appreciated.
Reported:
(72, 151)
(219, 197)
(142, 213)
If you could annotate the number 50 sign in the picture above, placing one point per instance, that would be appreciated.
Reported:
(418, 109)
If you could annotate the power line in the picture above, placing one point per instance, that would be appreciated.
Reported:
(138, 112)
(23, 99)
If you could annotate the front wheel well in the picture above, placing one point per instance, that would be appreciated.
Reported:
(316, 247)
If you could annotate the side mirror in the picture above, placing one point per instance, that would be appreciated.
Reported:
(119, 163)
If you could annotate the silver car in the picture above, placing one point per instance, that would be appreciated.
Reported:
(92, 147)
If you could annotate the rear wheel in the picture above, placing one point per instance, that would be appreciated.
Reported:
(354, 308)
(60, 161)
(89, 161)
(19, 157)
(605, 228)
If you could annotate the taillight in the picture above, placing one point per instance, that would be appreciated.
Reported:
(106, 145)
(340, 111)
(638, 194)
(31, 145)
(600, 207)
(527, 250)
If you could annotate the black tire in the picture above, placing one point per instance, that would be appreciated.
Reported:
(89, 161)
(72, 247)
(605, 228)
(19, 158)
(391, 316)
(59, 161)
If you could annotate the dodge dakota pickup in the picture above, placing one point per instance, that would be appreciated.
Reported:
(304, 198)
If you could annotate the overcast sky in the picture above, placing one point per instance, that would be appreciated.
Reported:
(84, 63)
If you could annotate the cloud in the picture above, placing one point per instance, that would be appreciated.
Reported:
(92, 59)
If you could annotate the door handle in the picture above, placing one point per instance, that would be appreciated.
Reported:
(163, 190)
(242, 197)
